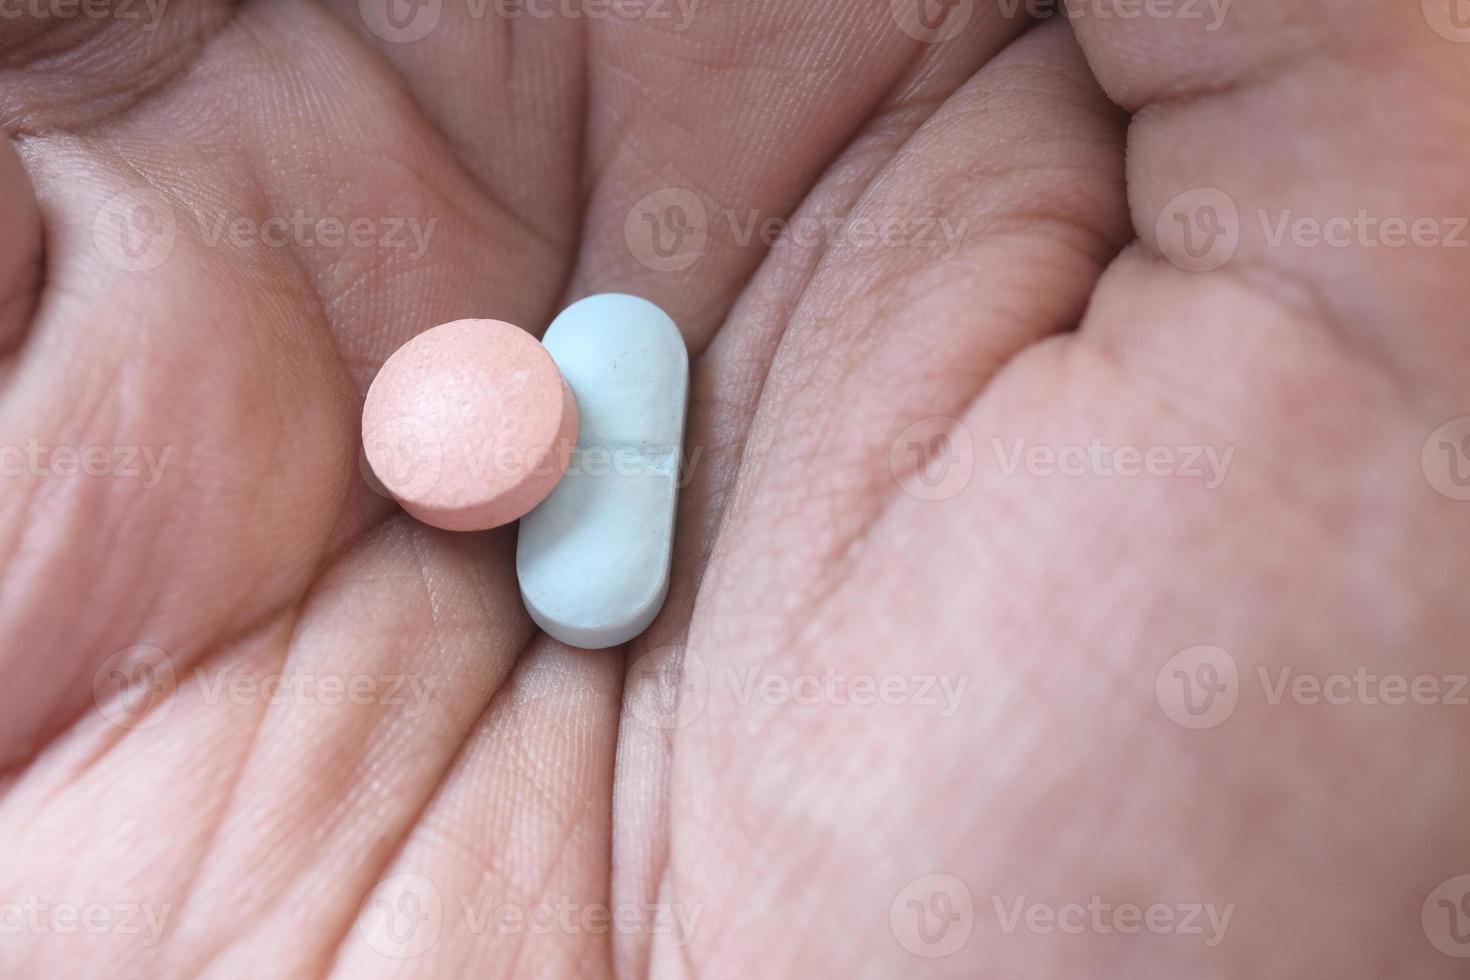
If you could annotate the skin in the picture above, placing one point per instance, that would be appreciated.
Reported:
(259, 826)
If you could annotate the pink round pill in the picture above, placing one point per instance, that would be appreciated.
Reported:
(469, 425)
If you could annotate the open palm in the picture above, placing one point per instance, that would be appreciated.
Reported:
(1020, 481)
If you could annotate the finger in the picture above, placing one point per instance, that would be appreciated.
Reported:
(1281, 302)
(502, 84)
(731, 376)
(286, 275)
(1020, 172)
(515, 844)
(702, 132)
(77, 66)
(255, 800)
(1355, 217)
(1027, 160)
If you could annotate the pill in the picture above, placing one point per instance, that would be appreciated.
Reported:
(469, 425)
(593, 559)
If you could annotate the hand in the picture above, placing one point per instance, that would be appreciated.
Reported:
(258, 723)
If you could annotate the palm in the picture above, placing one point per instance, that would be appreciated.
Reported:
(538, 774)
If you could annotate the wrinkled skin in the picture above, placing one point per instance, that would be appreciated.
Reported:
(789, 832)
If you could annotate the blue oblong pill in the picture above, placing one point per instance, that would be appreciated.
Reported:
(593, 559)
